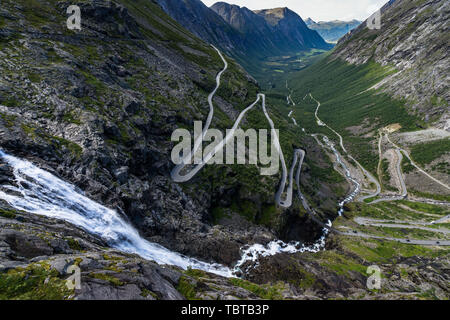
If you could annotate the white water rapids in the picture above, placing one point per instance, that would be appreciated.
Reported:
(39, 192)
(357, 185)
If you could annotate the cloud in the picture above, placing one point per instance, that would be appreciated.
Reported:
(318, 10)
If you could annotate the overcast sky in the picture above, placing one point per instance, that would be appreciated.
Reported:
(316, 9)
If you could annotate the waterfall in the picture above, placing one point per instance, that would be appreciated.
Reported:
(39, 192)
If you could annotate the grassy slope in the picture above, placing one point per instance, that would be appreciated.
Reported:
(346, 101)
(425, 153)
(156, 27)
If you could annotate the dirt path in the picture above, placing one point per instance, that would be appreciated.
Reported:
(406, 153)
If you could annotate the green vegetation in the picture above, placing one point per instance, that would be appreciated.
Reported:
(403, 233)
(218, 214)
(9, 214)
(397, 210)
(341, 264)
(427, 208)
(386, 176)
(425, 153)
(266, 292)
(429, 195)
(34, 77)
(35, 282)
(382, 251)
(8, 119)
(428, 295)
(195, 273)
(107, 277)
(73, 244)
(442, 167)
(268, 215)
(407, 166)
(245, 208)
(70, 117)
(324, 174)
(145, 293)
(272, 72)
(57, 142)
(346, 101)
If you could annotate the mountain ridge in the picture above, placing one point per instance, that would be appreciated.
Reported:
(413, 41)
(283, 28)
(332, 31)
(245, 35)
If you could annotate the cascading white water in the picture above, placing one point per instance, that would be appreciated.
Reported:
(39, 192)
(357, 185)
(256, 251)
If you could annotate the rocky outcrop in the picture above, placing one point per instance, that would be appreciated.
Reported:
(277, 30)
(98, 107)
(39, 254)
(242, 33)
(413, 40)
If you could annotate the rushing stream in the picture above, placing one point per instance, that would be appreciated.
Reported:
(39, 192)
(254, 252)
(357, 185)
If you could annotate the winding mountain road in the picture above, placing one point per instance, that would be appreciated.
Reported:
(404, 191)
(176, 172)
(323, 124)
(400, 152)
(400, 240)
(298, 157)
(341, 143)
(289, 102)
(406, 153)
(176, 176)
(445, 219)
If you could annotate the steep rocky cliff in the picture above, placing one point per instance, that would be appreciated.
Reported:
(196, 17)
(413, 40)
(280, 29)
(243, 34)
(97, 107)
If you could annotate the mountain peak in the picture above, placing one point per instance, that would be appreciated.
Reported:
(309, 21)
(273, 30)
(275, 15)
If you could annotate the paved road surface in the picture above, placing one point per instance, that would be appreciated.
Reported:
(416, 166)
(341, 142)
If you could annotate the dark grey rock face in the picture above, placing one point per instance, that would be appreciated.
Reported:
(274, 31)
(97, 108)
(243, 33)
